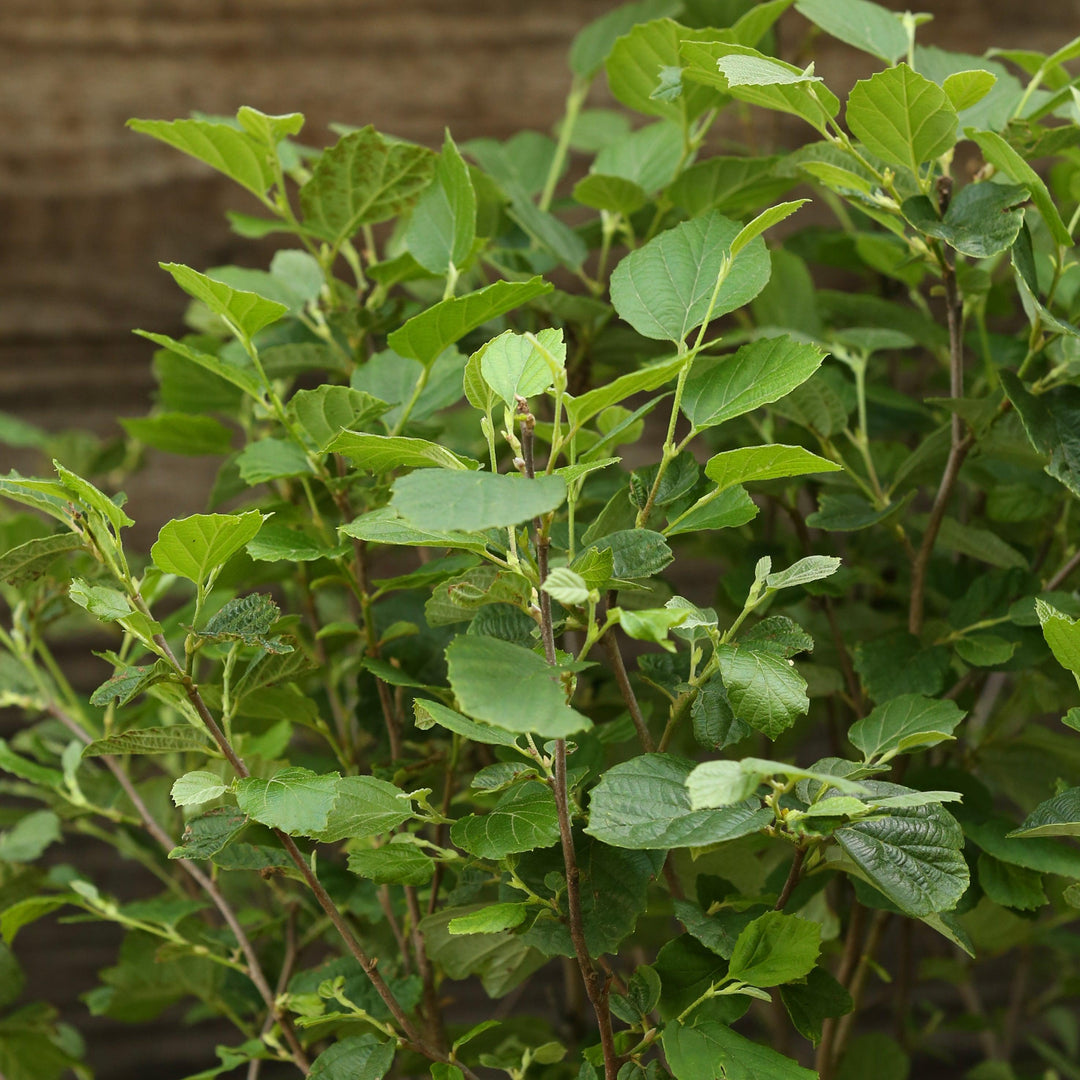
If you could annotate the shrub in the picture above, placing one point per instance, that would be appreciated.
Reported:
(653, 624)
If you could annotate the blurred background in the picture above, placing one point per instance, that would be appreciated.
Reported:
(88, 208)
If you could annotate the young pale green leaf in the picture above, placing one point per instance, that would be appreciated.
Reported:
(384, 453)
(907, 722)
(356, 1057)
(238, 154)
(489, 920)
(765, 691)
(180, 433)
(426, 335)
(566, 586)
(651, 624)
(1006, 160)
(246, 312)
(667, 288)
(1062, 634)
(811, 568)
(982, 220)
(611, 193)
(859, 23)
(758, 463)
(177, 739)
(438, 499)
(393, 864)
(514, 366)
(363, 179)
(195, 788)
(296, 801)
(765, 220)
(480, 669)
(757, 79)
(364, 806)
(525, 818)
(901, 117)
(775, 948)
(967, 88)
(325, 412)
(647, 158)
(708, 1050)
(582, 409)
(717, 783)
(443, 224)
(591, 45)
(26, 840)
(93, 497)
(31, 560)
(429, 713)
(644, 804)
(196, 546)
(724, 387)
(913, 855)
(1058, 816)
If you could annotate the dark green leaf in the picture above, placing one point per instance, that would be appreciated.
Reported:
(523, 819)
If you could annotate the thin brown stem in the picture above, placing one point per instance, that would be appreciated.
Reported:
(824, 1059)
(288, 962)
(387, 906)
(432, 1013)
(858, 981)
(792, 879)
(622, 680)
(959, 448)
(1059, 578)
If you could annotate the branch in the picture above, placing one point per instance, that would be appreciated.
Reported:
(1059, 578)
(611, 645)
(792, 879)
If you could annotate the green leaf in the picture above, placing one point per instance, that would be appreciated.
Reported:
(758, 463)
(849, 512)
(1041, 853)
(489, 920)
(356, 1057)
(750, 76)
(1052, 423)
(245, 377)
(582, 409)
(206, 835)
(480, 669)
(775, 948)
(1059, 816)
(724, 387)
(765, 691)
(985, 650)
(720, 509)
(364, 806)
(472, 501)
(393, 864)
(876, 1054)
(90, 496)
(651, 624)
(646, 158)
(664, 288)
(129, 682)
(591, 45)
(514, 367)
(294, 800)
(612, 193)
(1011, 886)
(180, 433)
(735, 186)
(901, 117)
(194, 547)
(248, 619)
(237, 154)
(425, 336)
(443, 224)
(810, 1002)
(643, 804)
(28, 838)
(327, 411)
(383, 526)
(914, 856)
(384, 453)
(177, 739)
(14, 918)
(715, 725)
(1006, 160)
(968, 87)
(26, 769)
(812, 568)
(524, 819)
(636, 61)
(363, 179)
(635, 553)
(271, 459)
(277, 543)
(431, 712)
(708, 1050)
(246, 312)
(566, 586)
(31, 560)
(907, 722)
(859, 23)
(982, 220)
(104, 603)
(765, 220)
(982, 544)
(195, 788)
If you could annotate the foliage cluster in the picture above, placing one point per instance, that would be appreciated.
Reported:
(586, 601)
